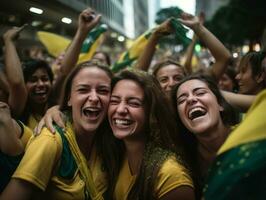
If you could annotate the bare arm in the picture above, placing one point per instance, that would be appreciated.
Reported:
(17, 190)
(220, 53)
(14, 73)
(86, 22)
(189, 55)
(145, 58)
(240, 101)
(10, 131)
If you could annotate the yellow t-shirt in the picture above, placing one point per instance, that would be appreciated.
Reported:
(171, 175)
(40, 164)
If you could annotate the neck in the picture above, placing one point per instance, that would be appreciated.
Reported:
(210, 142)
(134, 151)
(85, 143)
(38, 109)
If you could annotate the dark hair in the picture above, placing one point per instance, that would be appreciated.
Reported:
(107, 57)
(255, 60)
(161, 132)
(105, 141)
(68, 82)
(229, 117)
(231, 73)
(31, 65)
(164, 63)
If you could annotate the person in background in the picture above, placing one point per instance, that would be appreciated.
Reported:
(251, 76)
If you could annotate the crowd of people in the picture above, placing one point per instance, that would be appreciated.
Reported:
(160, 131)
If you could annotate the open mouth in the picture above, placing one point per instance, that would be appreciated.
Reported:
(122, 122)
(40, 93)
(91, 112)
(197, 112)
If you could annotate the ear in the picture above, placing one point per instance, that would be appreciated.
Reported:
(221, 108)
(69, 103)
(260, 78)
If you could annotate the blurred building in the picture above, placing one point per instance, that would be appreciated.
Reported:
(14, 12)
(141, 16)
(209, 7)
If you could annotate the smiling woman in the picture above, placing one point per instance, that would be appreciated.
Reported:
(205, 118)
(152, 167)
(68, 164)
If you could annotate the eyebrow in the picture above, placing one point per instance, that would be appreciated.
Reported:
(194, 90)
(128, 98)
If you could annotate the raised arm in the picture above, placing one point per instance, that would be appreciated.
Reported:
(220, 53)
(87, 20)
(14, 74)
(189, 54)
(145, 58)
(10, 131)
(240, 101)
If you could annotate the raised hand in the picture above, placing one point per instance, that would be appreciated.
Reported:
(13, 33)
(189, 20)
(53, 114)
(164, 28)
(88, 19)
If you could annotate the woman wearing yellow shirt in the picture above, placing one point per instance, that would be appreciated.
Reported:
(67, 165)
(139, 116)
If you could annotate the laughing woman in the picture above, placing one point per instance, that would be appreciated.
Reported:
(138, 116)
(67, 165)
(205, 117)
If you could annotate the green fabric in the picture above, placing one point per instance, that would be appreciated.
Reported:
(239, 173)
(92, 37)
(68, 165)
(180, 32)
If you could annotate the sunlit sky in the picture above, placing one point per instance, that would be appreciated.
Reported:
(186, 5)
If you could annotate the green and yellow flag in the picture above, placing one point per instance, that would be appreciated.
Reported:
(239, 171)
(136, 49)
(56, 44)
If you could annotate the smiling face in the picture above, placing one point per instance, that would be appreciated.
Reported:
(89, 98)
(226, 83)
(39, 86)
(168, 76)
(197, 107)
(126, 110)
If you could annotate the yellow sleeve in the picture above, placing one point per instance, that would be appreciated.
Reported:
(40, 159)
(26, 133)
(171, 175)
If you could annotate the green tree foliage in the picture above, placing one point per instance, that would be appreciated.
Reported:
(239, 21)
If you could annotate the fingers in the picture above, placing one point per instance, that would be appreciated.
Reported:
(58, 119)
(48, 120)
(38, 128)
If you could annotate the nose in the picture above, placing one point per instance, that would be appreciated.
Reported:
(172, 82)
(40, 82)
(191, 99)
(121, 108)
(93, 96)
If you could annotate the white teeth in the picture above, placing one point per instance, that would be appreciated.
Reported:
(121, 122)
(40, 92)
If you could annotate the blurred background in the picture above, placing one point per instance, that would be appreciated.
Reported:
(239, 24)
